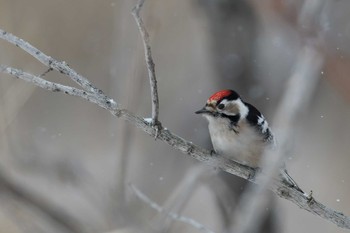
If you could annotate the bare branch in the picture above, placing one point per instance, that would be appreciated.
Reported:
(149, 61)
(180, 195)
(51, 86)
(62, 219)
(203, 155)
(48, 61)
(172, 215)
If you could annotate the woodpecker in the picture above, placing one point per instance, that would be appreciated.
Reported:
(238, 130)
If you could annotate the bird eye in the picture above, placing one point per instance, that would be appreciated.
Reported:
(221, 106)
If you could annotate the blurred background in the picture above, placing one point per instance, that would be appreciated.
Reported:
(67, 165)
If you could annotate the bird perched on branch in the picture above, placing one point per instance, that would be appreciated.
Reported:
(238, 130)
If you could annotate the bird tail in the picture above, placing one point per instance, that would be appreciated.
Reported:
(288, 180)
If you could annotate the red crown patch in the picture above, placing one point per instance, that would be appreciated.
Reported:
(219, 95)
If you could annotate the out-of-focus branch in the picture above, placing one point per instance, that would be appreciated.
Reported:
(15, 97)
(149, 61)
(180, 196)
(298, 92)
(296, 97)
(172, 215)
(186, 147)
(63, 220)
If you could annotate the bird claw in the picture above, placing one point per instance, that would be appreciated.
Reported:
(212, 152)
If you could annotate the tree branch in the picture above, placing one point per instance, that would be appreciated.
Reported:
(66, 222)
(48, 61)
(172, 215)
(51, 86)
(178, 143)
(149, 61)
(179, 197)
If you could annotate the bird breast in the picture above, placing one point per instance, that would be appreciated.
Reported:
(243, 144)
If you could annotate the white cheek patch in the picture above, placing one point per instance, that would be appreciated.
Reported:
(235, 107)
(224, 102)
(231, 109)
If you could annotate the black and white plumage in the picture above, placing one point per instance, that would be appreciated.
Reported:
(238, 130)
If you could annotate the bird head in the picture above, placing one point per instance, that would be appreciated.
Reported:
(224, 103)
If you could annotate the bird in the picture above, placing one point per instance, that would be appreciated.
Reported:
(239, 131)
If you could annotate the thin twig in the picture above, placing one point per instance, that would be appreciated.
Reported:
(172, 215)
(205, 156)
(46, 72)
(149, 60)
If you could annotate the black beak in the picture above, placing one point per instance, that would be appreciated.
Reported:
(203, 110)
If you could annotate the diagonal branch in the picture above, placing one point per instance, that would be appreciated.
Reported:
(48, 61)
(66, 222)
(172, 215)
(149, 61)
(300, 85)
(204, 155)
(51, 86)
(181, 194)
